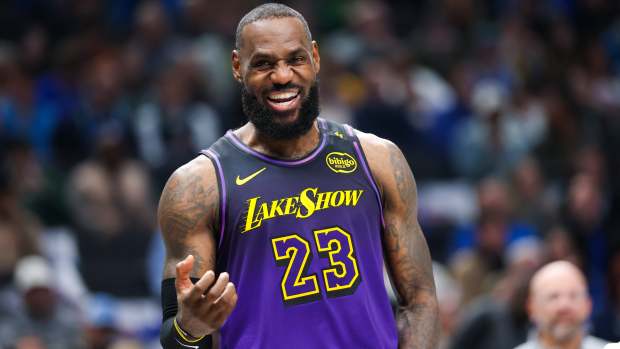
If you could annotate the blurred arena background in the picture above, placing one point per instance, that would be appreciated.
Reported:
(508, 112)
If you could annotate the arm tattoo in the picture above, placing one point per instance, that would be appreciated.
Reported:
(410, 262)
(199, 262)
(184, 205)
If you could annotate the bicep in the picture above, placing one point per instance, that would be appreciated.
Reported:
(187, 216)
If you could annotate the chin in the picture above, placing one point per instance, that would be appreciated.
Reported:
(285, 118)
(565, 332)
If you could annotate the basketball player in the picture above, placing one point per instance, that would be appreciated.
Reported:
(277, 234)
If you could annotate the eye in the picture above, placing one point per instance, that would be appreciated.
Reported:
(299, 60)
(261, 64)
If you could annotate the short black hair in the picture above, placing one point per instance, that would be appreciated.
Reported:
(269, 11)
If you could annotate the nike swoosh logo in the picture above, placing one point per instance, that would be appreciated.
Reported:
(187, 346)
(243, 181)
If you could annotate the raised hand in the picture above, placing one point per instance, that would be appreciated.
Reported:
(205, 305)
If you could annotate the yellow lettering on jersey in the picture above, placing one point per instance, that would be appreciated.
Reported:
(291, 205)
(337, 199)
(352, 197)
(276, 208)
(322, 200)
(307, 203)
(250, 223)
(263, 212)
(301, 206)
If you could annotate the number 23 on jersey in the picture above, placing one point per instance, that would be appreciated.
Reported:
(293, 251)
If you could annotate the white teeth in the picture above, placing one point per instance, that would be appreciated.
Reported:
(282, 96)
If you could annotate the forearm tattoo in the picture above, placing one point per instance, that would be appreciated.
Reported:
(410, 262)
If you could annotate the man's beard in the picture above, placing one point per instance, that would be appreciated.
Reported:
(564, 332)
(265, 120)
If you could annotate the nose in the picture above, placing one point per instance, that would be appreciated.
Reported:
(568, 303)
(282, 74)
(564, 305)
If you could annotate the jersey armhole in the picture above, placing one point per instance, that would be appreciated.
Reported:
(360, 154)
(221, 184)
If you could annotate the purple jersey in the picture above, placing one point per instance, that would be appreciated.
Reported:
(301, 240)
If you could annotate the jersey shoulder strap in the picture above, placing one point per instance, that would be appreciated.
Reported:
(222, 148)
(338, 131)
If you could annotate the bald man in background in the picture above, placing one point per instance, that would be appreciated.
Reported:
(559, 305)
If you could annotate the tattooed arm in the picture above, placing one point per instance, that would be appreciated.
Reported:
(188, 217)
(406, 252)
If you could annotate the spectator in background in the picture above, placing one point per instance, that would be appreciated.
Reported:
(478, 269)
(584, 216)
(111, 208)
(63, 87)
(103, 105)
(40, 192)
(368, 32)
(535, 203)
(498, 137)
(455, 109)
(479, 248)
(559, 245)
(497, 320)
(112, 211)
(174, 126)
(590, 160)
(607, 324)
(385, 108)
(592, 83)
(558, 148)
(559, 306)
(153, 35)
(209, 51)
(449, 296)
(19, 229)
(43, 320)
(24, 115)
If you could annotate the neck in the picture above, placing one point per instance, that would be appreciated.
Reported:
(548, 342)
(289, 149)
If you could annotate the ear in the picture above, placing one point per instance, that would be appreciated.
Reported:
(529, 308)
(315, 57)
(588, 307)
(236, 66)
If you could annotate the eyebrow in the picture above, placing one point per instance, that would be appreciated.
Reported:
(269, 56)
(259, 56)
(298, 52)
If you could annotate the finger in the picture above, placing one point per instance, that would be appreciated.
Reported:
(229, 296)
(201, 286)
(217, 289)
(183, 269)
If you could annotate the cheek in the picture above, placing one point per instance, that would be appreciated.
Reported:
(542, 314)
(583, 310)
(308, 75)
(253, 86)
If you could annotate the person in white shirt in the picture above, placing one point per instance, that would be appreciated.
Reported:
(559, 305)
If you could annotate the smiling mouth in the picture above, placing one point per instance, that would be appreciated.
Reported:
(284, 101)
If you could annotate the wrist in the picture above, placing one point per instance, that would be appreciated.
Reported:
(184, 334)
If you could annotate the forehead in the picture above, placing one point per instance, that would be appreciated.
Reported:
(558, 280)
(273, 35)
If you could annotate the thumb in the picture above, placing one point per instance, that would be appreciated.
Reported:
(183, 268)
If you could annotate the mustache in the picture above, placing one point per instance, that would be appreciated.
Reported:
(283, 87)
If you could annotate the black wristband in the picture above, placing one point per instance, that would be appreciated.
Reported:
(169, 337)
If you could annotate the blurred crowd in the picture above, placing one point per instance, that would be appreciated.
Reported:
(508, 112)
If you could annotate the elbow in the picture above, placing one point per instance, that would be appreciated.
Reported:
(425, 298)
